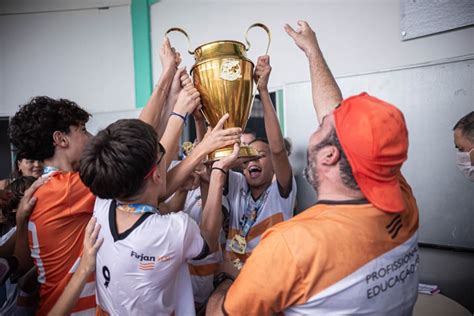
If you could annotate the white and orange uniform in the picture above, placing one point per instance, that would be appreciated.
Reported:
(56, 234)
(203, 270)
(334, 258)
(143, 270)
(275, 209)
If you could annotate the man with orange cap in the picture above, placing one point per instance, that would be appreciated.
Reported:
(355, 251)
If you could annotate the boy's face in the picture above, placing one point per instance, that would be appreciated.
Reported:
(259, 172)
(78, 137)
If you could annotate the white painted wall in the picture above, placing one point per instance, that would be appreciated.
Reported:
(84, 55)
(356, 35)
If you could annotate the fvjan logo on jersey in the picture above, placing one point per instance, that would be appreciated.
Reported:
(148, 262)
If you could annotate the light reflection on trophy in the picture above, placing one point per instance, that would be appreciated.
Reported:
(223, 75)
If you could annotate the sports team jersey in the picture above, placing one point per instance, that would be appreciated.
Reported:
(136, 271)
(56, 234)
(203, 270)
(274, 209)
(334, 258)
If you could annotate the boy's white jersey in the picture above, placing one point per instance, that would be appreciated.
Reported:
(137, 270)
(274, 209)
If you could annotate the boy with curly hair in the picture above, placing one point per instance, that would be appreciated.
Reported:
(54, 131)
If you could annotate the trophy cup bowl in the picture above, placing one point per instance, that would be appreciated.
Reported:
(223, 75)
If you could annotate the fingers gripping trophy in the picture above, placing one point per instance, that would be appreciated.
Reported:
(223, 75)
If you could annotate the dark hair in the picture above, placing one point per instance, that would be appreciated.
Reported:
(250, 131)
(18, 158)
(16, 171)
(466, 125)
(115, 162)
(18, 188)
(345, 170)
(259, 139)
(31, 129)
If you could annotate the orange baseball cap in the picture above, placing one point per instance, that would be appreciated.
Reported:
(374, 137)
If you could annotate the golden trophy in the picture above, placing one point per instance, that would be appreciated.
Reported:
(223, 75)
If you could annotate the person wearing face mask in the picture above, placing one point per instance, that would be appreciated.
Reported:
(464, 142)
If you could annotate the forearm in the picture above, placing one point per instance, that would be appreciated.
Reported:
(171, 136)
(22, 249)
(272, 126)
(152, 111)
(279, 156)
(165, 115)
(71, 293)
(212, 217)
(200, 129)
(326, 92)
(176, 203)
(216, 301)
(176, 176)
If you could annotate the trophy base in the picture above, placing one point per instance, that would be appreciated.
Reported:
(246, 154)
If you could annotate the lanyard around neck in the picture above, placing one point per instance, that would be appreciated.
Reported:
(49, 170)
(136, 208)
(252, 210)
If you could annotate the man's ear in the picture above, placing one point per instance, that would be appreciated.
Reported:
(60, 139)
(330, 155)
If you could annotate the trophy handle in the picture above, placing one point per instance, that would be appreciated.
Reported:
(263, 26)
(177, 29)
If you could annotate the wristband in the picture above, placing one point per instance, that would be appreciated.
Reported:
(183, 117)
(221, 277)
(220, 169)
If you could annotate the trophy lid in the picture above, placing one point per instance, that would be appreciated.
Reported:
(220, 49)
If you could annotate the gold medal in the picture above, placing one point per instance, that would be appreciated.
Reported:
(238, 244)
(187, 147)
(237, 264)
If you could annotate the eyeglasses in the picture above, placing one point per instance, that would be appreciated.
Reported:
(159, 158)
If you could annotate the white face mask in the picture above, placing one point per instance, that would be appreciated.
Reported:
(463, 160)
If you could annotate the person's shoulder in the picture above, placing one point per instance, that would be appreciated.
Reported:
(175, 219)
(63, 180)
(236, 178)
(306, 220)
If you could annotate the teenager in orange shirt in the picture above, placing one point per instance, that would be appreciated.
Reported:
(54, 131)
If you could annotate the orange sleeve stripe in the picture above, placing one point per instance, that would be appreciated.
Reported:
(100, 312)
(203, 270)
(85, 303)
(261, 227)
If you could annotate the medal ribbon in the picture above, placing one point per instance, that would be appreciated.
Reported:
(49, 169)
(136, 208)
(251, 213)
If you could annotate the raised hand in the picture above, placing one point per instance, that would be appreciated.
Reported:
(176, 84)
(169, 58)
(219, 137)
(28, 201)
(304, 37)
(188, 100)
(262, 72)
(186, 81)
(91, 246)
(229, 161)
